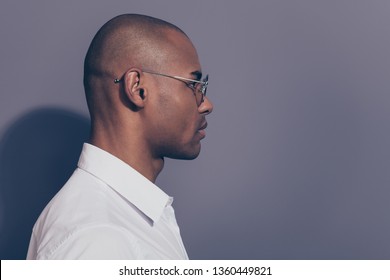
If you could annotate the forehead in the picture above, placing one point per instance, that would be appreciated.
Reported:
(181, 53)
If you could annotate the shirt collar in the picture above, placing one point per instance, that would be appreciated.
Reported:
(124, 179)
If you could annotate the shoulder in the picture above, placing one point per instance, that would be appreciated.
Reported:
(83, 200)
(95, 242)
(84, 216)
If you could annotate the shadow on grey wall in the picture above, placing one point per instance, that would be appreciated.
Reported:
(38, 153)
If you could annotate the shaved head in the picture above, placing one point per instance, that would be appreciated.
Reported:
(128, 40)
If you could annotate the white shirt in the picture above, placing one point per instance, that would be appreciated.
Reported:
(107, 210)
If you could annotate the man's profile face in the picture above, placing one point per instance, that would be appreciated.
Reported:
(178, 121)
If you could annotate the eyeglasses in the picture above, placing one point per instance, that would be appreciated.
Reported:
(198, 87)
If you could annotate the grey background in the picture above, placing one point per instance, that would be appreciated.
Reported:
(295, 163)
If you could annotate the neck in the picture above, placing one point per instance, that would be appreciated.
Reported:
(131, 150)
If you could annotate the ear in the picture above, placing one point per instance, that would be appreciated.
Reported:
(134, 88)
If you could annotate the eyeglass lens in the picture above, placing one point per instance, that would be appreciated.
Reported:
(201, 89)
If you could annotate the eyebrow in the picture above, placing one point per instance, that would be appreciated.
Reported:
(197, 74)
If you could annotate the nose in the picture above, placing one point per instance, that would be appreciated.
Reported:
(206, 107)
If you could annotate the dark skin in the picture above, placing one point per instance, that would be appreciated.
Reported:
(145, 117)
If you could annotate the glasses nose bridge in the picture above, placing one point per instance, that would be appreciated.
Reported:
(205, 83)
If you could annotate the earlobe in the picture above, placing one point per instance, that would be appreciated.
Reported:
(134, 89)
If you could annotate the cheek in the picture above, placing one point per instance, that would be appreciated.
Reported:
(175, 129)
(175, 113)
(172, 103)
(180, 119)
(181, 124)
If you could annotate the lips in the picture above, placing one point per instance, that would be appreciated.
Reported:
(201, 130)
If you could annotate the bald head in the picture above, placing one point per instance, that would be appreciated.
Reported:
(128, 40)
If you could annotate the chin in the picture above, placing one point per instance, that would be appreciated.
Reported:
(186, 155)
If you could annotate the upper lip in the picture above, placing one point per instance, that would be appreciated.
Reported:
(203, 126)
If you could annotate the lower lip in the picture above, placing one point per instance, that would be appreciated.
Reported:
(202, 133)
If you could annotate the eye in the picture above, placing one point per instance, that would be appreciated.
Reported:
(192, 85)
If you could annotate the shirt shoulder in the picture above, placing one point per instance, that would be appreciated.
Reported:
(83, 207)
(95, 242)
